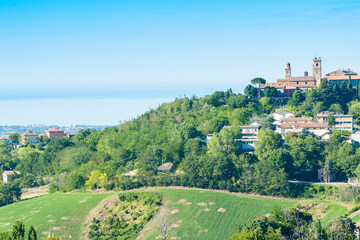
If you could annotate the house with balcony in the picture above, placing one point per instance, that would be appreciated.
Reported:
(342, 121)
(249, 135)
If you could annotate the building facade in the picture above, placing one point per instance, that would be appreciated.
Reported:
(249, 135)
(342, 121)
(290, 84)
(55, 133)
(340, 76)
(30, 137)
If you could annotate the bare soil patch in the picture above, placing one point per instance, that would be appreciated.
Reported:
(174, 211)
(221, 210)
(182, 201)
(58, 228)
(28, 193)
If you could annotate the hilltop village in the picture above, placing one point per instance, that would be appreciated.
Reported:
(320, 125)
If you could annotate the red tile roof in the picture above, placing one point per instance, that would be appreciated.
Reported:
(54, 130)
(11, 172)
(297, 119)
(30, 133)
(305, 125)
(353, 77)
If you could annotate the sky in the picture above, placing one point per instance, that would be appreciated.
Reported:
(61, 45)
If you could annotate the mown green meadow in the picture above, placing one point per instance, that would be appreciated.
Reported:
(59, 214)
(196, 214)
(211, 215)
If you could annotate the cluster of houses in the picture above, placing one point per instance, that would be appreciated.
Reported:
(33, 138)
(287, 122)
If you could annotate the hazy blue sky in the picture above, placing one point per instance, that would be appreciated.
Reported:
(117, 44)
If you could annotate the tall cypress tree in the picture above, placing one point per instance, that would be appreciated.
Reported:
(18, 231)
(32, 234)
(337, 93)
(344, 94)
(350, 90)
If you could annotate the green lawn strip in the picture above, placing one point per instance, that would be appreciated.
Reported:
(356, 218)
(333, 212)
(61, 214)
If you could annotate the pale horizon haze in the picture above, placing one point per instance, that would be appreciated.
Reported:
(162, 49)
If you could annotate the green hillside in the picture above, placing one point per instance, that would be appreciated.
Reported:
(211, 215)
(59, 214)
(202, 214)
(197, 213)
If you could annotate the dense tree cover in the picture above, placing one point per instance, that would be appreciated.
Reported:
(250, 90)
(173, 132)
(15, 137)
(270, 92)
(257, 82)
(9, 192)
(294, 224)
(327, 97)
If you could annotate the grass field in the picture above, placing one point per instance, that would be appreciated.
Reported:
(197, 214)
(216, 215)
(60, 214)
(333, 212)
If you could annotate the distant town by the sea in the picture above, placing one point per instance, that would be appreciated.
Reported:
(40, 128)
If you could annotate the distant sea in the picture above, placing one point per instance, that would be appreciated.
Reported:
(64, 107)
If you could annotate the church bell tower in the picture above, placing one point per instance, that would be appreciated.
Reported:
(287, 70)
(317, 70)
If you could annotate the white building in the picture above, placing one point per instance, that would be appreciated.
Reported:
(354, 139)
(7, 174)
